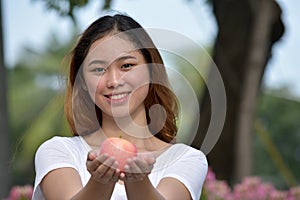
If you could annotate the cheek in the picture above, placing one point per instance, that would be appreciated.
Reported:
(138, 78)
(94, 86)
(142, 92)
(140, 84)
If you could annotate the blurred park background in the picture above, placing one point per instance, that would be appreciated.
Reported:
(254, 43)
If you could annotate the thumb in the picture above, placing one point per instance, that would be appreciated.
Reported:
(91, 155)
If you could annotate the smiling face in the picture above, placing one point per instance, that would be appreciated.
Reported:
(116, 77)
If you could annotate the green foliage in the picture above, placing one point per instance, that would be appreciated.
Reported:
(64, 7)
(186, 80)
(35, 97)
(280, 117)
(67, 8)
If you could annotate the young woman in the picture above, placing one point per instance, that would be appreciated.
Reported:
(118, 87)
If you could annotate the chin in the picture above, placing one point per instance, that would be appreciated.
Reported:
(118, 113)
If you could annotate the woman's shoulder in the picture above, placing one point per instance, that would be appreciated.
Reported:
(179, 157)
(182, 152)
(184, 149)
(60, 143)
(61, 149)
(60, 140)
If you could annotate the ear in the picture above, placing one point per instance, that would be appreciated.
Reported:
(83, 84)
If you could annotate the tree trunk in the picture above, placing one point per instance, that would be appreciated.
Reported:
(266, 13)
(5, 154)
(247, 31)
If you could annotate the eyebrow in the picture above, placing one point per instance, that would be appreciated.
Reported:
(103, 62)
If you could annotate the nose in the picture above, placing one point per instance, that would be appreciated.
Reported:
(113, 77)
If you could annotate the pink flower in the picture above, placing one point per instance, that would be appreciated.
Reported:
(252, 189)
(295, 191)
(215, 189)
(21, 193)
(210, 176)
(278, 195)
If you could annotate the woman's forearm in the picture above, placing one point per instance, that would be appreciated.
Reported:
(142, 190)
(95, 190)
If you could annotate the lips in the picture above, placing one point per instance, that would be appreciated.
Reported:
(119, 97)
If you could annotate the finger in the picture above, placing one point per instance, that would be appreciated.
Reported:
(110, 174)
(149, 157)
(122, 176)
(108, 163)
(91, 155)
(94, 164)
(116, 175)
(127, 175)
(142, 165)
(134, 173)
(135, 165)
(150, 160)
(104, 168)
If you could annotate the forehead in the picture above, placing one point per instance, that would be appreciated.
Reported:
(110, 48)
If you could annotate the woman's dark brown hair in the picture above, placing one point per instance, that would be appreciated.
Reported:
(83, 115)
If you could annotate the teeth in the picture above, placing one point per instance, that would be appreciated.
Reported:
(118, 96)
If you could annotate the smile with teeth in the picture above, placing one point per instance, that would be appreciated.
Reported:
(117, 96)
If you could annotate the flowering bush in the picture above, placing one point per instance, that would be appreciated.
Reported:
(251, 188)
(21, 193)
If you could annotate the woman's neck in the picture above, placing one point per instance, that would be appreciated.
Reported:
(135, 127)
(132, 128)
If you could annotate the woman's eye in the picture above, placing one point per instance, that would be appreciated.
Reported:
(126, 66)
(99, 70)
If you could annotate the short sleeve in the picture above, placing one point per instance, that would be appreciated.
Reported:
(190, 169)
(52, 154)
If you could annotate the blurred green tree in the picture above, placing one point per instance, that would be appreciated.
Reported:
(36, 92)
(276, 155)
(5, 153)
(247, 31)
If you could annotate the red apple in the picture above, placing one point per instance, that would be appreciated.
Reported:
(119, 148)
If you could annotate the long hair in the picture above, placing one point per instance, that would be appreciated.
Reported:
(84, 116)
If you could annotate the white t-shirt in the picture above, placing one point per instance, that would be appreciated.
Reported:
(179, 161)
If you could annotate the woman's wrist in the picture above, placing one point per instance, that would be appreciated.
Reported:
(142, 189)
(95, 190)
(96, 184)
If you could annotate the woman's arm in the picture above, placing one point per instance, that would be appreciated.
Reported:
(172, 188)
(143, 189)
(65, 183)
(138, 186)
(168, 189)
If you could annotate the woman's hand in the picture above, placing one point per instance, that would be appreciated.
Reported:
(137, 168)
(103, 168)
